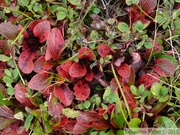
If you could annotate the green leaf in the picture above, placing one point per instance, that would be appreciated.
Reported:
(109, 133)
(23, 3)
(156, 89)
(134, 124)
(160, 19)
(28, 121)
(94, 35)
(4, 58)
(165, 123)
(19, 116)
(75, 2)
(164, 91)
(8, 79)
(108, 96)
(61, 14)
(8, 72)
(130, 2)
(148, 45)
(177, 23)
(141, 89)
(68, 112)
(134, 90)
(86, 104)
(178, 1)
(123, 27)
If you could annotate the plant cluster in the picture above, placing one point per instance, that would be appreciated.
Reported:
(89, 67)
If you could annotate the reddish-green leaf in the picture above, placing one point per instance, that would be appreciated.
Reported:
(54, 108)
(64, 94)
(6, 112)
(9, 30)
(163, 67)
(21, 95)
(82, 90)
(55, 44)
(77, 70)
(5, 122)
(39, 81)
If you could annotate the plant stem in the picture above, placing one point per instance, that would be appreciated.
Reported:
(122, 93)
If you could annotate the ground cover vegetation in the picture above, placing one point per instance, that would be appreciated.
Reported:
(92, 67)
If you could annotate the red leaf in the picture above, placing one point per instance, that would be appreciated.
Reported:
(2, 73)
(61, 72)
(66, 65)
(85, 52)
(70, 125)
(148, 5)
(131, 100)
(164, 67)
(34, 23)
(92, 119)
(103, 50)
(9, 30)
(82, 90)
(77, 70)
(6, 112)
(54, 108)
(55, 44)
(148, 80)
(79, 129)
(124, 70)
(25, 62)
(64, 94)
(39, 81)
(21, 95)
(86, 119)
(64, 121)
(40, 65)
(42, 30)
(14, 129)
(89, 76)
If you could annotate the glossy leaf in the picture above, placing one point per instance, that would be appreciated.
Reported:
(103, 50)
(77, 70)
(9, 30)
(55, 44)
(40, 65)
(163, 67)
(21, 95)
(42, 30)
(39, 81)
(81, 90)
(25, 62)
(64, 94)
